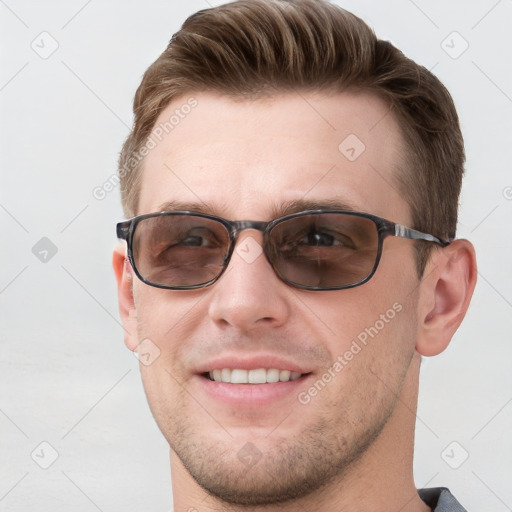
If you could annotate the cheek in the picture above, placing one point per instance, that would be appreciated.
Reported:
(372, 369)
(169, 320)
(372, 339)
(167, 315)
(169, 323)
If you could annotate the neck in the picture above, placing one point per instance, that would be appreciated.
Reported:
(381, 479)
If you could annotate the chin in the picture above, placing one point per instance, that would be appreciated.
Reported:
(284, 470)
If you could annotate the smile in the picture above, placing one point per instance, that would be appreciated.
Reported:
(256, 376)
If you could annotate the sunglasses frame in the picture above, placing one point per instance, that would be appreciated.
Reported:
(126, 229)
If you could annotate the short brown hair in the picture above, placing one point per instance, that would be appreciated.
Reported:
(251, 48)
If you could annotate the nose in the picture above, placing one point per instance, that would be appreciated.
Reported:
(249, 295)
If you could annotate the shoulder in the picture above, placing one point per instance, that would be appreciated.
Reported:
(440, 499)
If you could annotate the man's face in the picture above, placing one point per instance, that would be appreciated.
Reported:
(257, 443)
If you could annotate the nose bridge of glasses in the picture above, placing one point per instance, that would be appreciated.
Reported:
(242, 225)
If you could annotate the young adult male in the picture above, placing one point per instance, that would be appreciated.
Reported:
(280, 358)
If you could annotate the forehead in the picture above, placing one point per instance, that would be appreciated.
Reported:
(244, 158)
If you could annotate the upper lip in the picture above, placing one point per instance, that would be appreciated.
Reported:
(251, 363)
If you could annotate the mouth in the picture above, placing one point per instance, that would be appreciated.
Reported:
(249, 382)
(254, 376)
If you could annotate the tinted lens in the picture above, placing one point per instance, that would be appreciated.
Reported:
(324, 250)
(179, 250)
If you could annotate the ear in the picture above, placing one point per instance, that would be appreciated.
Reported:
(124, 276)
(445, 293)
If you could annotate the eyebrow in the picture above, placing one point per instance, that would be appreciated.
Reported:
(277, 210)
(299, 205)
(189, 206)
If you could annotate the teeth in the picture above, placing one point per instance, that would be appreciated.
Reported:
(258, 376)
(238, 376)
(272, 375)
(284, 375)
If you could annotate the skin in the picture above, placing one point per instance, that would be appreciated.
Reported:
(351, 446)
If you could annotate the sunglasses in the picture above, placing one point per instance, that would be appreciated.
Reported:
(312, 250)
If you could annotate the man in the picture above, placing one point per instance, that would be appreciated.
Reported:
(292, 184)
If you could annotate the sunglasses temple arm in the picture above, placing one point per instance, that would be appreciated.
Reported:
(413, 234)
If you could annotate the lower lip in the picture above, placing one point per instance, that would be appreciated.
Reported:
(244, 395)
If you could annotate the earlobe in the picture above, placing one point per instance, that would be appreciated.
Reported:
(127, 311)
(445, 294)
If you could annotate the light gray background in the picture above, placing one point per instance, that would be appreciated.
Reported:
(66, 377)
